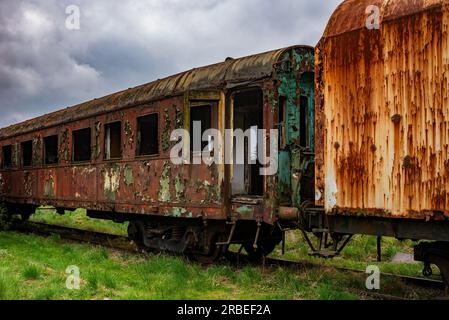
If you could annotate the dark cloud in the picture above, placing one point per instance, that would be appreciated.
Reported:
(44, 66)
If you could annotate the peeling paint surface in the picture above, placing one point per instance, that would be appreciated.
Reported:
(97, 151)
(166, 143)
(164, 186)
(128, 175)
(49, 187)
(180, 188)
(111, 177)
(64, 149)
(128, 134)
(28, 184)
(37, 151)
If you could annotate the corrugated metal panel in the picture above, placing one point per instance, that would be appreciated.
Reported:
(384, 105)
(230, 72)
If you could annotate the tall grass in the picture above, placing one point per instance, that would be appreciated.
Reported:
(31, 272)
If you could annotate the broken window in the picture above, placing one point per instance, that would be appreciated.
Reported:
(113, 141)
(7, 156)
(203, 115)
(148, 135)
(248, 115)
(27, 153)
(82, 145)
(51, 149)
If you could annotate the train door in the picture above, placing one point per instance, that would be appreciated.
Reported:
(305, 165)
(204, 110)
(247, 117)
(296, 139)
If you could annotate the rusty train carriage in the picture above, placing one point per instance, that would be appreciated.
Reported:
(382, 124)
(193, 205)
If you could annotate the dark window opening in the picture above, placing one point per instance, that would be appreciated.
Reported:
(304, 101)
(82, 145)
(51, 149)
(202, 114)
(113, 141)
(27, 153)
(7, 156)
(248, 114)
(148, 135)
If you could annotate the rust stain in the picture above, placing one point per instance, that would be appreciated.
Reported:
(382, 97)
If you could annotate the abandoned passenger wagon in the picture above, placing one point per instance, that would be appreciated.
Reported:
(382, 122)
(112, 155)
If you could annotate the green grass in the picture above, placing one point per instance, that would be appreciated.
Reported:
(34, 267)
(122, 276)
(78, 219)
(31, 273)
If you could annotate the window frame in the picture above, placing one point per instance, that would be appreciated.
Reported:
(214, 122)
(73, 146)
(138, 142)
(45, 150)
(11, 166)
(22, 154)
(105, 140)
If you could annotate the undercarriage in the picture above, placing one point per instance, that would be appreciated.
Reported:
(204, 240)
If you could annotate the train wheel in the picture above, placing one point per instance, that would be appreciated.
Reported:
(135, 233)
(263, 249)
(215, 252)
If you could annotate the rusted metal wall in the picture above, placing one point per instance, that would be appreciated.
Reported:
(142, 185)
(383, 105)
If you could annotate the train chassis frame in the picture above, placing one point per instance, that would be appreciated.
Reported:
(336, 227)
(205, 240)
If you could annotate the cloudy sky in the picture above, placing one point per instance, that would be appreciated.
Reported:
(44, 66)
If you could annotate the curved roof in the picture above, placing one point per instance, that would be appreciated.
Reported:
(228, 73)
(351, 14)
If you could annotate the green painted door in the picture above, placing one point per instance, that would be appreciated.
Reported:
(296, 124)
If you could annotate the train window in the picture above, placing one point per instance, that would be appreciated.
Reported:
(113, 141)
(148, 135)
(7, 156)
(51, 149)
(82, 145)
(202, 114)
(27, 153)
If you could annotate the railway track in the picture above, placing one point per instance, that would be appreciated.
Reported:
(122, 243)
